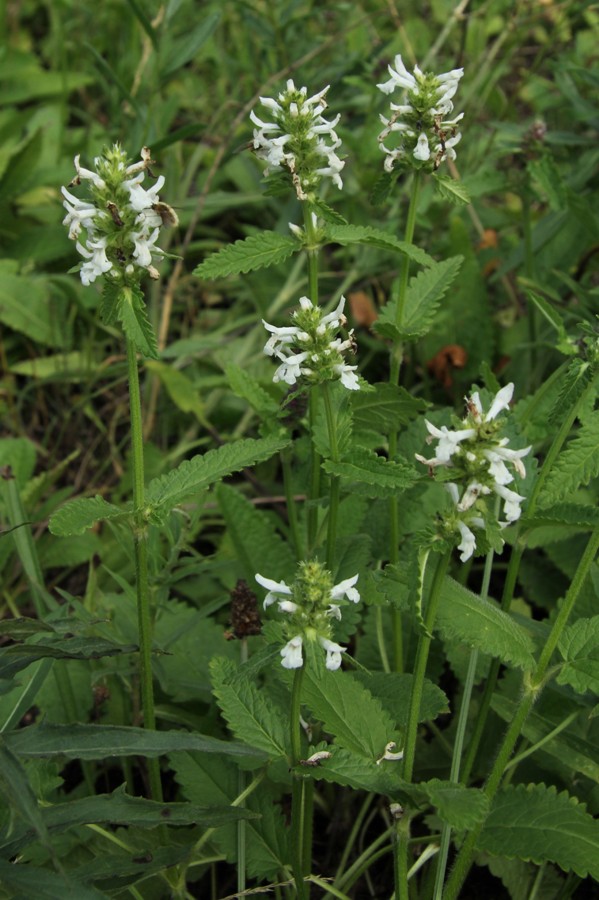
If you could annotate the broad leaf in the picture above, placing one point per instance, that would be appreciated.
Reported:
(394, 691)
(195, 475)
(247, 711)
(243, 385)
(347, 768)
(423, 297)
(349, 712)
(576, 465)
(102, 741)
(482, 625)
(451, 189)
(386, 409)
(77, 515)
(461, 807)
(573, 384)
(131, 313)
(255, 252)
(573, 514)
(18, 656)
(579, 646)
(28, 881)
(374, 237)
(372, 475)
(538, 824)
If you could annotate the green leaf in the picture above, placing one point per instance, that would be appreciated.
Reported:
(339, 399)
(349, 712)
(74, 366)
(77, 515)
(188, 47)
(482, 625)
(247, 711)
(451, 189)
(255, 252)
(374, 237)
(131, 313)
(536, 823)
(579, 647)
(461, 807)
(394, 691)
(423, 297)
(248, 388)
(182, 391)
(563, 746)
(576, 465)
(195, 475)
(573, 514)
(387, 408)
(18, 656)
(372, 475)
(326, 212)
(120, 809)
(101, 741)
(18, 794)
(347, 768)
(573, 384)
(564, 344)
(18, 629)
(258, 545)
(26, 306)
(28, 881)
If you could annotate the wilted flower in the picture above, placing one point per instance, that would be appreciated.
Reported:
(299, 140)
(116, 227)
(311, 348)
(476, 460)
(425, 136)
(308, 604)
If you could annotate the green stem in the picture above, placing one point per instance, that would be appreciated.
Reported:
(511, 577)
(291, 505)
(395, 365)
(454, 775)
(530, 695)
(314, 477)
(424, 643)
(334, 489)
(241, 786)
(140, 542)
(298, 798)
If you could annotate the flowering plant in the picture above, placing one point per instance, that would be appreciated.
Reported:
(426, 136)
(299, 139)
(311, 603)
(311, 347)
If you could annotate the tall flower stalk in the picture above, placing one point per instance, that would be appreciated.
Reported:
(115, 228)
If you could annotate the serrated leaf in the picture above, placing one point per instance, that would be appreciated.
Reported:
(372, 475)
(258, 545)
(243, 385)
(382, 188)
(579, 647)
(195, 475)
(548, 177)
(536, 823)
(349, 712)
(374, 237)
(423, 297)
(248, 714)
(573, 384)
(326, 212)
(131, 313)
(342, 419)
(23, 880)
(573, 514)
(451, 189)
(102, 741)
(482, 625)
(255, 252)
(576, 465)
(565, 344)
(394, 691)
(347, 768)
(386, 409)
(77, 515)
(461, 807)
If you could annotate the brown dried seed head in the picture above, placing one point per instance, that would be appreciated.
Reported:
(245, 618)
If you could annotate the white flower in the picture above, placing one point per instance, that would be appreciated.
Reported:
(400, 77)
(348, 377)
(512, 501)
(388, 754)
(139, 198)
(144, 247)
(280, 337)
(448, 440)
(471, 495)
(346, 589)
(422, 150)
(468, 542)
(500, 402)
(292, 654)
(97, 261)
(336, 318)
(88, 175)
(334, 651)
(273, 588)
(291, 368)
(288, 606)
(80, 214)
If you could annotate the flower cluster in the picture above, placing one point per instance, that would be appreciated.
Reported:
(425, 134)
(117, 226)
(299, 139)
(475, 461)
(311, 603)
(311, 347)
